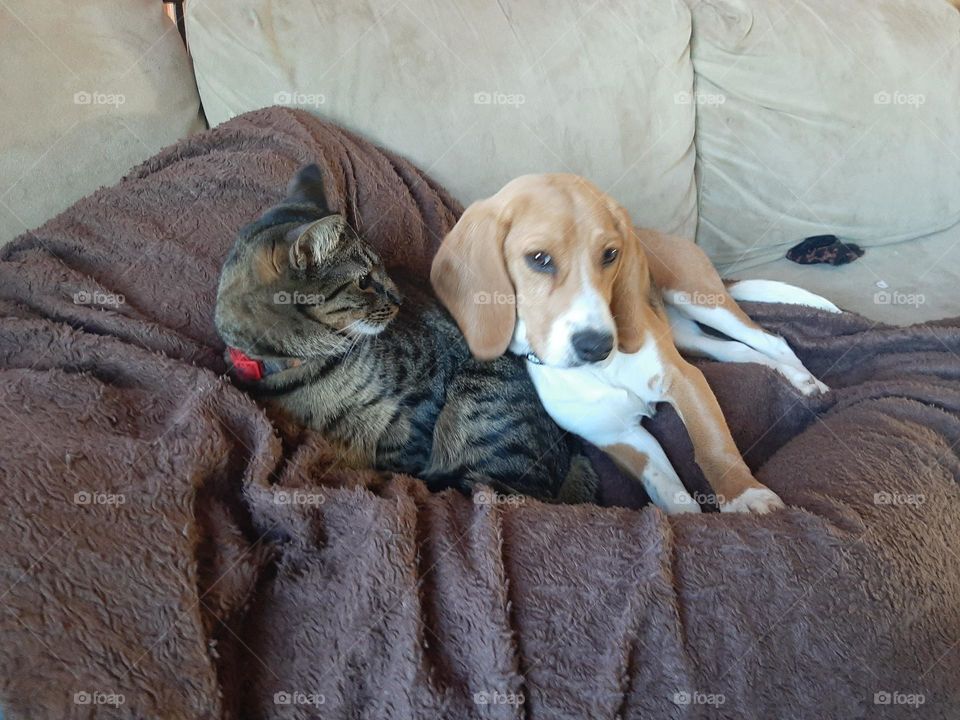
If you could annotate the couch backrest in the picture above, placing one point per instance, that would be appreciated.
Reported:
(89, 89)
(811, 116)
(476, 92)
(819, 116)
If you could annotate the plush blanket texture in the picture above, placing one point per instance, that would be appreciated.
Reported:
(167, 554)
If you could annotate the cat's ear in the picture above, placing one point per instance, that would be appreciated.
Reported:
(469, 275)
(307, 187)
(316, 242)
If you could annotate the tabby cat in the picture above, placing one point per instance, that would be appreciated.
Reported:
(330, 341)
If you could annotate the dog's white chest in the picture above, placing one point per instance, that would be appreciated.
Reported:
(593, 400)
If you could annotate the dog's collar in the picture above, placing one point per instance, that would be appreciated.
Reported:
(532, 358)
(247, 369)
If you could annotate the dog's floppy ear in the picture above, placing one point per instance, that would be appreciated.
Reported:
(631, 288)
(469, 275)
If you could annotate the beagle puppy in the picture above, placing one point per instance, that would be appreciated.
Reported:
(551, 268)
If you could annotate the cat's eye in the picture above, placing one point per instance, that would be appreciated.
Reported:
(610, 256)
(541, 262)
(365, 281)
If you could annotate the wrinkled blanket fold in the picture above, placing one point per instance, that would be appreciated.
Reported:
(167, 553)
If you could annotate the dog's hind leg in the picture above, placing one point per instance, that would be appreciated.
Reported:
(692, 340)
(727, 318)
(690, 284)
(773, 291)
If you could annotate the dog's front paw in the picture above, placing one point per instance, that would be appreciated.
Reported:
(758, 500)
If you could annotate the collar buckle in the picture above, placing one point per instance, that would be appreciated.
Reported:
(245, 368)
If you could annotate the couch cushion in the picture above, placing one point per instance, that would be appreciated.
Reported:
(902, 283)
(476, 93)
(819, 116)
(96, 87)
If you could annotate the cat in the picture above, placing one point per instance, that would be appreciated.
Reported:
(380, 368)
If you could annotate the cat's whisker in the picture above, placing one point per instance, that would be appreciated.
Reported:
(354, 338)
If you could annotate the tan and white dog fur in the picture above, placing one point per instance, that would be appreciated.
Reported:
(551, 268)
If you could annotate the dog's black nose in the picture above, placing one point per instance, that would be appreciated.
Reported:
(592, 346)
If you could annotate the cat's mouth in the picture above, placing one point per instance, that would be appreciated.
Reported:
(371, 325)
(365, 328)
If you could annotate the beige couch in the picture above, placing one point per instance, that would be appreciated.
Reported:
(88, 90)
(749, 124)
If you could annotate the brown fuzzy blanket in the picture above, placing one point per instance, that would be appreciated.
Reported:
(165, 554)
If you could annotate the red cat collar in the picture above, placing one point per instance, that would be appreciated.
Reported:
(245, 368)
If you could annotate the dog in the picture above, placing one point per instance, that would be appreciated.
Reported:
(552, 269)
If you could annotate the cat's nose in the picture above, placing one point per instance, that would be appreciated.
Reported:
(394, 296)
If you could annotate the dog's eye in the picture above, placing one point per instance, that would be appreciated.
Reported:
(540, 261)
(610, 256)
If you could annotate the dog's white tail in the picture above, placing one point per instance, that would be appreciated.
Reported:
(771, 291)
